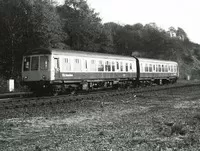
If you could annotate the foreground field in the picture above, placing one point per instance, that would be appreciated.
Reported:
(166, 120)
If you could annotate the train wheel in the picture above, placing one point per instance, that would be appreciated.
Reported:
(55, 90)
(55, 93)
(73, 92)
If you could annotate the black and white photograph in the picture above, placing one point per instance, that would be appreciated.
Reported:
(99, 75)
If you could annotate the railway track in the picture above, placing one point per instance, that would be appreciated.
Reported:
(12, 103)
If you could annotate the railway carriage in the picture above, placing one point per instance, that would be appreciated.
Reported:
(158, 71)
(67, 70)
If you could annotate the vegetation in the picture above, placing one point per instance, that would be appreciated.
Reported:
(27, 24)
(167, 120)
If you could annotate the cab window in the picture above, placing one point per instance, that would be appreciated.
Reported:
(34, 63)
(27, 63)
(43, 62)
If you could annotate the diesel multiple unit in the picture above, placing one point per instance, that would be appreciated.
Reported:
(67, 70)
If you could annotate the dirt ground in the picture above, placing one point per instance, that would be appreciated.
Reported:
(167, 120)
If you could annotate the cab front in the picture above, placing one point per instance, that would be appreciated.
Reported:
(36, 70)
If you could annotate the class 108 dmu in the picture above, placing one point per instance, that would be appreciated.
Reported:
(58, 71)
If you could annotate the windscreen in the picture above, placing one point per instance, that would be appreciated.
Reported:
(26, 64)
(44, 62)
(34, 63)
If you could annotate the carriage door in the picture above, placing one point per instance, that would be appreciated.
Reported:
(56, 68)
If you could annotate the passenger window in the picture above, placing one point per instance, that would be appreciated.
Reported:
(108, 66)
(93, 65)
(159, 67)
(117, 65)
(126, 66)
(150, 68)
(166, 69)
(86, 66)
(146, 68)
(154, 67)
(77, 61)
(169, 68)
(141, 67)
(175, 69)
(77, 65)
(66, 66)
(121, 66)
(34, 63)
(26, 63)
(44, 62)
(172, 69)
(113, 66)
(131, 66)
(66, 60)
(162, 68)
(92, 61)
(100, 66)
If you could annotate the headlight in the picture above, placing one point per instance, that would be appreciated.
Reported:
(44, 77)
(26, 77)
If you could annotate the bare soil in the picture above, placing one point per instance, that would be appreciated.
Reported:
(166, 120)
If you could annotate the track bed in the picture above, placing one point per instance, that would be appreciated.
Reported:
(151, 120)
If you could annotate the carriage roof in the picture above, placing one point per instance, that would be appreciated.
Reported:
(48, 51)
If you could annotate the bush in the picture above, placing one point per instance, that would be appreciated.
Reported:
(3, 85)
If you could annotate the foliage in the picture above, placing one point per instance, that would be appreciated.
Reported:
(13, 20)
(82, 24)
(27, 24)
(46, 28)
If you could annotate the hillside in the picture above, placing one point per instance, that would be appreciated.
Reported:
(25, 25)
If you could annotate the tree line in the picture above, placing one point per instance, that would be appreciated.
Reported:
(29, 24)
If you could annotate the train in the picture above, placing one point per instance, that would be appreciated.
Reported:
(59, 71)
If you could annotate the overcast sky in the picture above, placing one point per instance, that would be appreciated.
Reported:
(165, 13)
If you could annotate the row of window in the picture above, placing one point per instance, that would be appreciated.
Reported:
(96, 65)
(33, 63)
(157, 68)
(102, 65)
